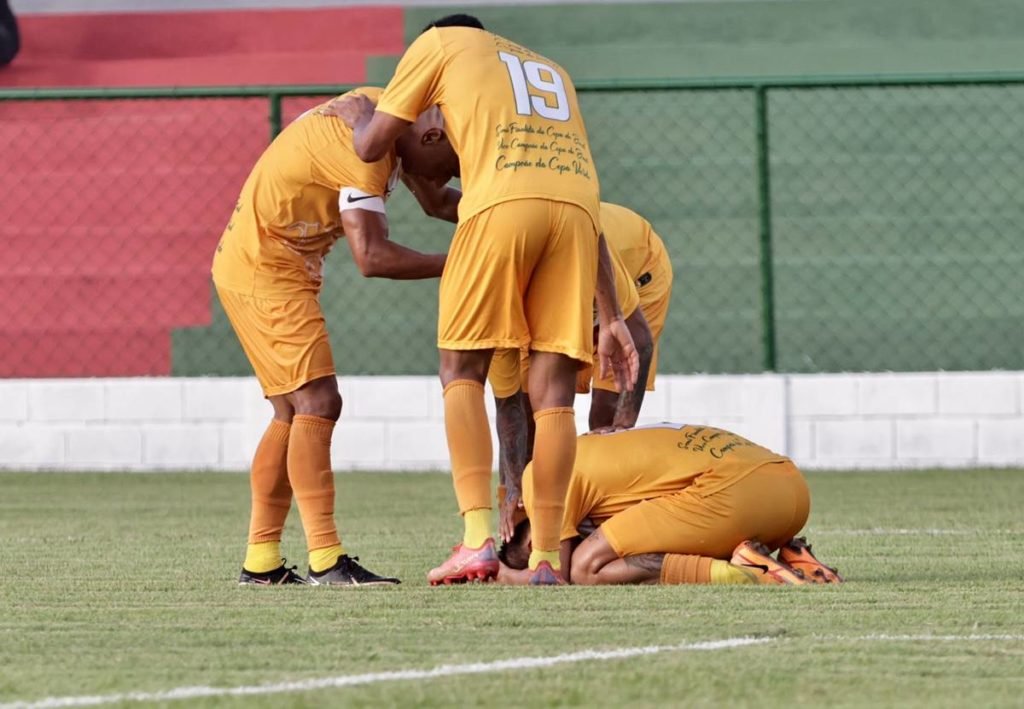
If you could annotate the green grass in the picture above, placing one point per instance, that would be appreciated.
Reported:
(115, 583)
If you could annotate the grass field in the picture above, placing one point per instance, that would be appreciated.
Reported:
(125, 583)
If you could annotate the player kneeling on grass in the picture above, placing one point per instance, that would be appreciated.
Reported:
(307, 190)
(677, 504)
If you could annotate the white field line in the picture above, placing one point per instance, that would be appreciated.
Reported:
(924, 638)
(510, 665)
(925, 532)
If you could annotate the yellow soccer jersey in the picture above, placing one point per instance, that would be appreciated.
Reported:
(511, 115)
(635, 240)
(287, 217)
(615, 471)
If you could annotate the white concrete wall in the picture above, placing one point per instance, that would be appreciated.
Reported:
(396, 423)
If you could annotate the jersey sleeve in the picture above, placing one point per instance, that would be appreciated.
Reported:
(335, 164)
(337, 167)
(625, 288)
(415, 85)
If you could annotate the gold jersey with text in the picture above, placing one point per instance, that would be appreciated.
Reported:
(287, 216)
(615, 471)
(511, 115)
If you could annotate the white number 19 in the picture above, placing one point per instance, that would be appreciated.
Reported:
(525, 75)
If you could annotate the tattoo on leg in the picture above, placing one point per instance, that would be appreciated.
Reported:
(645, 562)
(512, 439)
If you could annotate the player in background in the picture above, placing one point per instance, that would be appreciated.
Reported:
(524, 263)
(649, 267)
(677, 504)
(307, 190)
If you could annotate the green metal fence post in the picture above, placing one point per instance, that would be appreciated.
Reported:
(275, 114)
(764, 189)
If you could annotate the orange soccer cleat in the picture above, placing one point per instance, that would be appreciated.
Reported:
(797, 553)
(544, 575)
(757, 557)
(467, 564)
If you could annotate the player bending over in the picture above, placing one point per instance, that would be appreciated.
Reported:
(677, 504)
(307, 190)
(523, 267)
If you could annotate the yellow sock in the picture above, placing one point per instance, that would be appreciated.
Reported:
(554, 452)
(478, 527)
(468, 431)
(552, 557)
(722, 572)
(325, 558)
(262, 557)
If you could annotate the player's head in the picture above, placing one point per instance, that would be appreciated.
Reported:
(425, 150)
(457, 20)
(515, 553)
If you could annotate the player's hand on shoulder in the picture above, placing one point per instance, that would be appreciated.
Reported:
(353, 109)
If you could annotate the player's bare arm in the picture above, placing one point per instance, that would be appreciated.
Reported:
(615, 349)
(436, 199)
(616, 411)
(373, 132)
(378, 257)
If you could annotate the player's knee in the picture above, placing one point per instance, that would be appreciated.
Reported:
(326, 405)
(585, 568)
(320, 398)
(456, 366)
(584, 574)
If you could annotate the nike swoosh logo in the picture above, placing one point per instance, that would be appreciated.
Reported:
(764, 569)
(350, 199)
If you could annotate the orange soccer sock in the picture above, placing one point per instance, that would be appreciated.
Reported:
(271, 491)
(554, 453)
(271, 498)
(309, 470)
(687, 568)
(469, 446)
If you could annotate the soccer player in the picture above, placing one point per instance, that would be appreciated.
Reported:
(643, 281)
(524, 264)
(676, 504)
(307, 190)
(648, 266)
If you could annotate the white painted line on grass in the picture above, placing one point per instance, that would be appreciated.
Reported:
(927, 638)
(897, 532)
(510, 665)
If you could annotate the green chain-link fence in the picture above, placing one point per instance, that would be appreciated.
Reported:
(814, 225)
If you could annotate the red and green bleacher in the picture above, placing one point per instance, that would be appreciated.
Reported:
(109, 211)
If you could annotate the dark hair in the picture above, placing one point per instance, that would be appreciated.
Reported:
(457, 20)
(515, 553)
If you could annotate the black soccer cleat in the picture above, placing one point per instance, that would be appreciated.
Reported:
(278, 577)
(346, 572)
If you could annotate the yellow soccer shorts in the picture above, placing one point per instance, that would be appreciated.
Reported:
(285, 339)
(655, 288)
(769, 504)
(521, 274)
